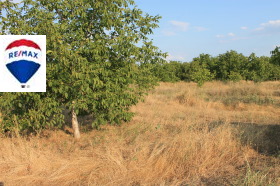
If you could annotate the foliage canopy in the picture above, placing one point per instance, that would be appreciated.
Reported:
(230, 66)
(99, 60)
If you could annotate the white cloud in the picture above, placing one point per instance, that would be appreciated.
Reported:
(182, 26)
(220, 36)
(231, 34)
(233, 39)
(270, 27)
(240, 38)
(244, 27)
(200, 29)
(259, 29)
(168, 33)
(275, 23)
(175, 58)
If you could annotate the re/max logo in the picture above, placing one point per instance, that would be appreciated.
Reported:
(24, 53)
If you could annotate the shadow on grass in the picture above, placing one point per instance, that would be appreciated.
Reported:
(85, 122)
(264, 138)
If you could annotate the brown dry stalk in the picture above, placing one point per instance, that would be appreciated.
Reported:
(180, 135)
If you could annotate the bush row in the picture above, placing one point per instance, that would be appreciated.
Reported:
(230, 66)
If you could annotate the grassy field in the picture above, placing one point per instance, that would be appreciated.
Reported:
(220, 134)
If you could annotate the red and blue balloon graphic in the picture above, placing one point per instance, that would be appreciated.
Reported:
(23, 59)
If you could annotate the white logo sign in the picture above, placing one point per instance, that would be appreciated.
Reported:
(23, 63)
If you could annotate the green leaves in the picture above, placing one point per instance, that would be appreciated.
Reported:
(230, 66)
(199, 72)
(99, 59)
(275, 56)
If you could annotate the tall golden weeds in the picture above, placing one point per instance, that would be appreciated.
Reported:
(181, 135)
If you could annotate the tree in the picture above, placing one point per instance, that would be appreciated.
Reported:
(229, 65)
(99, 60)
(185, 72)
(275, 56)
(257, 68)
(275, 64)
(168, 72)
(234, 76)
(199, 73)
(208, 61)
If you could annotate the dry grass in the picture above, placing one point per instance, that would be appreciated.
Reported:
(181, 135)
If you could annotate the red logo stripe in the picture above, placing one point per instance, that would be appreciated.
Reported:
(23, 42)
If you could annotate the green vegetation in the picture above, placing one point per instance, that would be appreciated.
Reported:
(236, 95)
(230, 66)
(99, 61)
(100, 64)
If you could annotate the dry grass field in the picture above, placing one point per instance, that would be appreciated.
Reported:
(220, 134)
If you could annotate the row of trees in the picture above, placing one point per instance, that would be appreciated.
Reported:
(230, 66)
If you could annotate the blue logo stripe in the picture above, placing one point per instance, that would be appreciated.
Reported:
(23, 70)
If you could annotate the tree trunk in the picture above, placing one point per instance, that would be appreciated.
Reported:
(75, 125)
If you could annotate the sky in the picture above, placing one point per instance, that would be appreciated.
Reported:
(192, 27)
